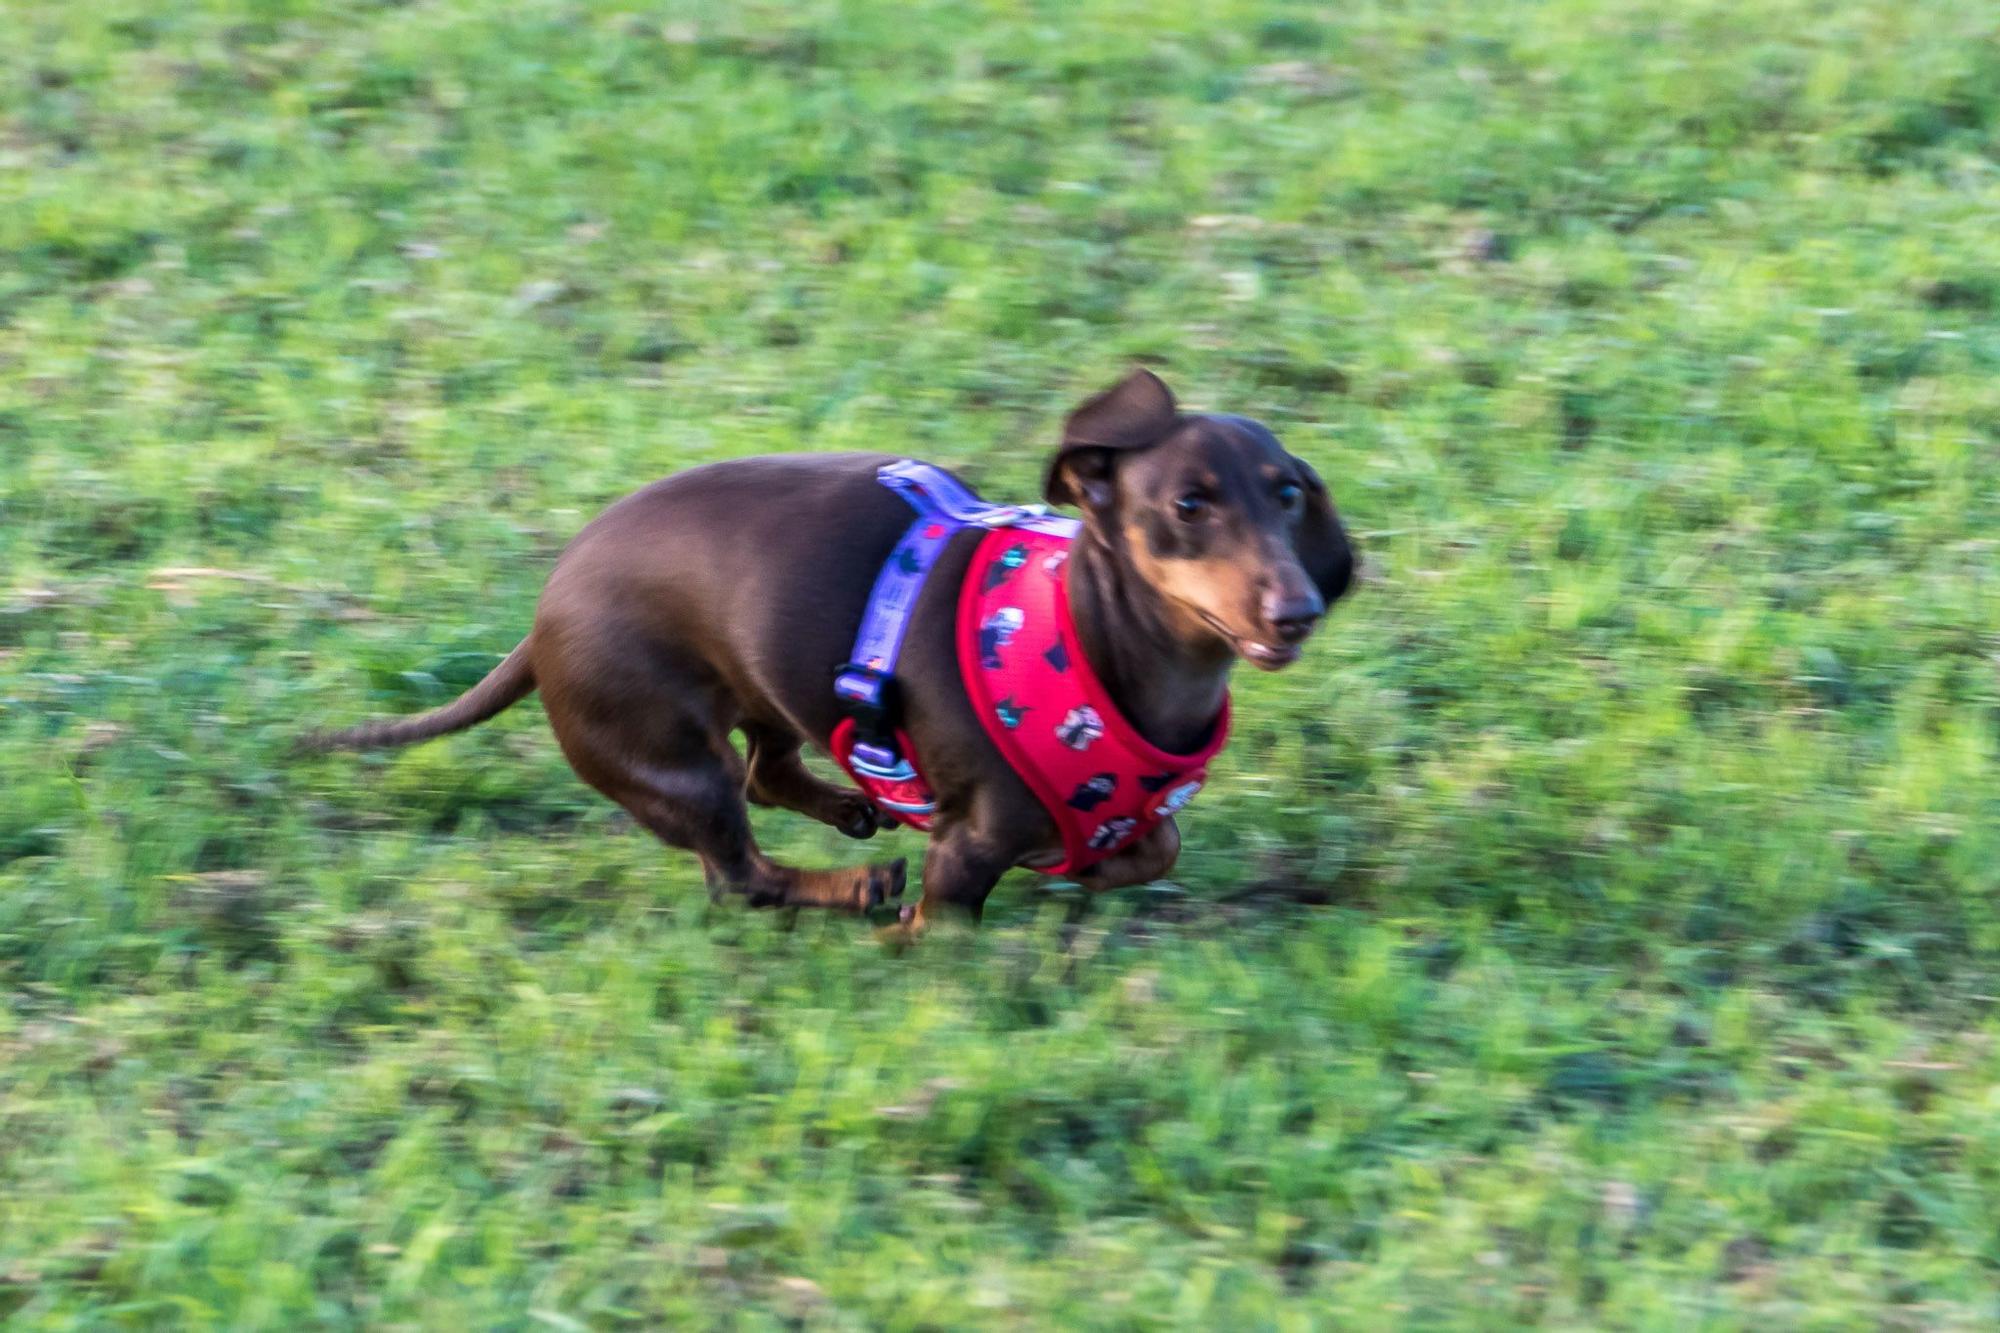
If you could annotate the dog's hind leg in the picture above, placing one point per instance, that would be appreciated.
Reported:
(779, 777)
(650, 728)
(700, 807)
(715, 817)
(690, 795)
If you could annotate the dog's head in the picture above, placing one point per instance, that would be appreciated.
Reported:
(1238, 537)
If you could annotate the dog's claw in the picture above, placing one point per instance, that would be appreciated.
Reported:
(884, 882)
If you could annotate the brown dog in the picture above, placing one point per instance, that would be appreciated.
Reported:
(725, 599)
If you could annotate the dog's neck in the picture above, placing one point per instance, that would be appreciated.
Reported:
(1171, 690)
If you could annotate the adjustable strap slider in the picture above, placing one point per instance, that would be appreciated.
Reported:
(861, 688)
(868, 695)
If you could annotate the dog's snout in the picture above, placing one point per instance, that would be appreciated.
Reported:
(1292, 615)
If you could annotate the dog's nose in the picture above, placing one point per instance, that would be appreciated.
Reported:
(1292, 617)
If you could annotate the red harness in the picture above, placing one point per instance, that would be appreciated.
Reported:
(1025, 672)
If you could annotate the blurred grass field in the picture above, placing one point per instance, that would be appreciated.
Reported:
(1598, 930)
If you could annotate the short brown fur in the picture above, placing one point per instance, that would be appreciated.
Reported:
(723, 599)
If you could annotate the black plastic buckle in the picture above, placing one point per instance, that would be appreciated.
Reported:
(869, 697)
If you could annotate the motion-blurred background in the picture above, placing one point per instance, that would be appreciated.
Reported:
(1598, 929)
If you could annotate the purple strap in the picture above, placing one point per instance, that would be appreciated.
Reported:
(943, 506)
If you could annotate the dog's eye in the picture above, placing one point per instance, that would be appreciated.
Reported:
(1191, 506)
(1290, 495)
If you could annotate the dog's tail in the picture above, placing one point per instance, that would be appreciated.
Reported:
(506, 685)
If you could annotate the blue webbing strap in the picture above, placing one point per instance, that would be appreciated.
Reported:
(943, 506)
(932, 489)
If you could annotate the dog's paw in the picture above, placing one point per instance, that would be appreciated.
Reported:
(903, 932)
(859, 817)
(882, 883)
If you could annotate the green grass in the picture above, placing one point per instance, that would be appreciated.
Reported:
(1599, 930)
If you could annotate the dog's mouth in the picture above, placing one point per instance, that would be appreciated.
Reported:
(1270, 656)
(1264, 656)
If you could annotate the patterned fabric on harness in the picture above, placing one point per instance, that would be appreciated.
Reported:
(1103, 785)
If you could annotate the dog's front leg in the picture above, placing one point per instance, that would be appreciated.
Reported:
(1146, 860)
(961, 866)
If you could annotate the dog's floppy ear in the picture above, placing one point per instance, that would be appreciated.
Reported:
(1135, 412)
(1322, 545)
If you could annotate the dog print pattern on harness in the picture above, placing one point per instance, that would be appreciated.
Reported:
(1102, 784)
(995, 633)
(1003, 569)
